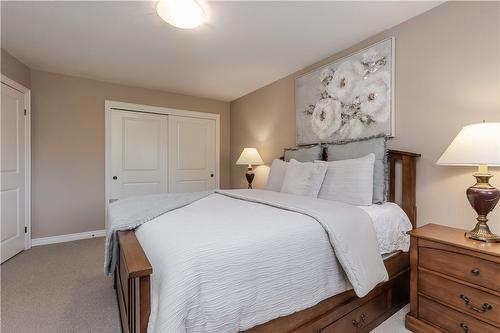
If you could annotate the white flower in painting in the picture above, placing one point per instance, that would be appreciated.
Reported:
(370, 62)
(359, 68)
(352, 129)
(369, 56)
(343, 83)
(326, 117)
(326, 75)
(375, 97)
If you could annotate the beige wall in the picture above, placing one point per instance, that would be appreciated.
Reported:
(15, 70)
(68, 147)
(447, 76)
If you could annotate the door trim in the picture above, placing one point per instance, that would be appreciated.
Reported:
(110, 105)
(27, 155)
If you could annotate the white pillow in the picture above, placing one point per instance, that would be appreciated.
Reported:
(304, 178)
(349, 181)
(276, 175)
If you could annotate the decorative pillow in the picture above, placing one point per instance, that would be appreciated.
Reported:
(359, 148)
(304, 178)
(276, 175)
(349, 181)
(303, 154)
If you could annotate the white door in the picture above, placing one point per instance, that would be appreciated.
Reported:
(192, 164)
(138, 153)
(12, 166)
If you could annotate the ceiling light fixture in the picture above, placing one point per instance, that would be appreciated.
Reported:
(184, 14)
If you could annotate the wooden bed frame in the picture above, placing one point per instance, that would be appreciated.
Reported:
(341, 313)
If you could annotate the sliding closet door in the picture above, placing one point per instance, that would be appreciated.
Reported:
(138, 153)
(191, 154)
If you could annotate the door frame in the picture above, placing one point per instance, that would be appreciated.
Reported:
(27, 155)
(110, 105)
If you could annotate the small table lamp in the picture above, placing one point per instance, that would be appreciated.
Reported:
(250, 156)
(478, 145)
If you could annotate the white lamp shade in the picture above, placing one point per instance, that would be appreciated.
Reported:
(250, 156)
(477, 144)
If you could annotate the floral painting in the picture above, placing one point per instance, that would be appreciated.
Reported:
(350, 98)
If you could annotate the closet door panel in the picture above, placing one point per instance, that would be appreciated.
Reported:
(138, 153)
(191, 154)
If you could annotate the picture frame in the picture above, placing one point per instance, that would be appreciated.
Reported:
(348, 99)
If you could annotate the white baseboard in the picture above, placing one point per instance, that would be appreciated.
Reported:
(67, 238)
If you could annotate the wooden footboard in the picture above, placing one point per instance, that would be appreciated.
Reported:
(132, 284)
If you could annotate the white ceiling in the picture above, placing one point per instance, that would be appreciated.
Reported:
(242, 47)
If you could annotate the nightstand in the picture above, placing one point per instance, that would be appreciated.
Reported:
(455, 282)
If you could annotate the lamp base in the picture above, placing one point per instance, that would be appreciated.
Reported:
(249, 175)
(481, 232)
(483, 198)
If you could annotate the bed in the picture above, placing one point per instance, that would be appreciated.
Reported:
(343, 312)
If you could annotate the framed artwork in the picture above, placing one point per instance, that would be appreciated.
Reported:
(350, 98)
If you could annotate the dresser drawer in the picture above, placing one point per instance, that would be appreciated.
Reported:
(464, 267)
(471, 300)
(358, 319)
(450, 320)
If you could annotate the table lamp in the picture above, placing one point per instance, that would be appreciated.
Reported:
(478, 145)
(250, 156)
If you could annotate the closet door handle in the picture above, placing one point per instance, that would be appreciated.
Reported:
(212, 175)
(115, 178)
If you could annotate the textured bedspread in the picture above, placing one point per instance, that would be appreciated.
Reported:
(129, 213)
(236, 259)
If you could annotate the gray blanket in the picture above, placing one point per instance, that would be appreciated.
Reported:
(129, 213)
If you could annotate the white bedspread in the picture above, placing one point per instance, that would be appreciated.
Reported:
(225, 265)
(391, 226)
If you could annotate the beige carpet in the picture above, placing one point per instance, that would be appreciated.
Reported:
(58, 288)
(61, 288)
(394, 324)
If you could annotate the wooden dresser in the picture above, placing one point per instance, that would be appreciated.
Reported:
(455, 282)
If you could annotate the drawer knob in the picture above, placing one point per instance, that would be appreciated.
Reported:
(482, 309)
(359, 323)
(464, 327)
(475, 271)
